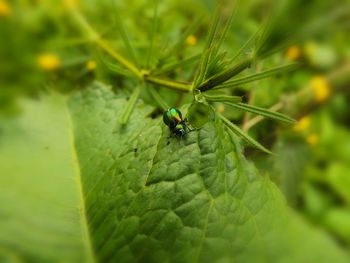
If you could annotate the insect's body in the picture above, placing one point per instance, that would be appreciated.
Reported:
(173, 119)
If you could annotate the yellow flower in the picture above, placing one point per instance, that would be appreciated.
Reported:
(5, 8)
(91, 65)
(293, 53)
(312, 139)
(191, 40)
(320, 87)
(49, 62)
(221, 108)
(70, 3)
(303, 124)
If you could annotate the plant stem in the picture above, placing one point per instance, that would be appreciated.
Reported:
(126, 63)
(168, 83)
(95, 38)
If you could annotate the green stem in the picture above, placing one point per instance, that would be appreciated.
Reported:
(126, 63)
(95, 37)
(158, 99)
(169, 83)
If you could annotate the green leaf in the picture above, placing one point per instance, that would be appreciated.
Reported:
(247, 44)
(223, 98)
(237, 131)
(177, 64)
(162, 104)
(72, 190)
(131, 105)
(113, 67)
(257, 76)
(225, 75)
(124, 34)
(208, 49)
(263, 112)
(153, 33)
(212, 61)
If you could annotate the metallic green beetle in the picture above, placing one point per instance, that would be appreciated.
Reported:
(173, 119)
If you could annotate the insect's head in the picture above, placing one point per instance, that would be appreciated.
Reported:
(180, 130)
(172, 117)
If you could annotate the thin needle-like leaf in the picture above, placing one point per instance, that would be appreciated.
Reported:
(208, 49)
(263, 112)
(131, 105)
(103, 44)
(258, 76)
(177, 64)
(153, 34)
(223, 98)
(181, 86)
(225, 30)
(158, 99)
(126, 38)
(182, 39)
(236, 130)
(253, 37)
(113, 67)
(225, 75)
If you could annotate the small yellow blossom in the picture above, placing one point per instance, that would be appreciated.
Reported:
(303, 124)
(293, 53)
(70, 3)
(312, 139)
(221, 108)
(320, 87)
(5, 8)
(191, 40)
(91, 65)
(49, 62)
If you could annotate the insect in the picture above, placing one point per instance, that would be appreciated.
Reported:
(177, 125)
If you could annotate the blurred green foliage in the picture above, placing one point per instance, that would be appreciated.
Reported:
(42, 48)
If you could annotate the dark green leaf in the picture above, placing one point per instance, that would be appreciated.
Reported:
(75, 191)
(261, 75)
(262, 111)
(237, 131)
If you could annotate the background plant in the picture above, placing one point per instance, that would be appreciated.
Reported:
(159, 54)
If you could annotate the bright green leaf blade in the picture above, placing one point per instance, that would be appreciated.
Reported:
(113, 67)
(208, 52)
(177, 64)
(146, 200)
(237, 131)
(227, 26)
(257, 76)
(42, 214)
(223, 98)
(246, 45)
(263, 112)
(162, 104)
(154, 28)
(131, 105)
(225, 75)
(125, 37)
